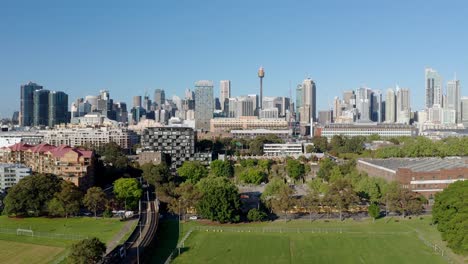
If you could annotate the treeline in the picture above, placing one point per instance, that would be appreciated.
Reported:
(48, 195)
(213, 194)
(424, 147)
(450, 213)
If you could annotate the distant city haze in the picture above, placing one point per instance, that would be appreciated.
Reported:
(84, 47)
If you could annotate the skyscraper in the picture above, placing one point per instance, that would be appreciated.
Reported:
(376, 106)
(261, 74)
(433, 88)
(390, 106)
(403, 105)
(309, 99)
(225, 92)
(27, 103)
(363, 103)
(464, 110)
(453, 99)
(58, 108)
(137, 101)
(299, 100)
(203, 104)
(159, 97)
(41, 107)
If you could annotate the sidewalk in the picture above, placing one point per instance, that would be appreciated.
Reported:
(118, 237)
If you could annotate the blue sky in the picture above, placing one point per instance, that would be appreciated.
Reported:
(128, 48)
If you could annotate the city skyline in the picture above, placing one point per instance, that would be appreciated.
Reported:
(354, 50)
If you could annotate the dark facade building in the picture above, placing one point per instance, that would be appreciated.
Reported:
(58, 108)
(26, 117)
(177, 142)
(41, 108)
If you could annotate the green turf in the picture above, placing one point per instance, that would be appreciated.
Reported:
(385, 241)
(103, 228)
(14, 252)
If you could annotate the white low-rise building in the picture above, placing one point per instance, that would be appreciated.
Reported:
(10, 174)
(287, 149)
(367, 129)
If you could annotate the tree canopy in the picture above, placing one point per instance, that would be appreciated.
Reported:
(156, 175)
(220, 200)
(252, 176)
(87, 251)
(295, 169)
(95, 199)
(450, 213)
(128, 190)
(220, 168)
(192, 171)
(31, 195)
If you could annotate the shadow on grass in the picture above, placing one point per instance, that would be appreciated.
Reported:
(165, 242)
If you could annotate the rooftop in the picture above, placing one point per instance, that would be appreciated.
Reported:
(419, 164)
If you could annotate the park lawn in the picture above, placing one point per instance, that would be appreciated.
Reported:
(388, 240)
(15, 252)
(102, 228)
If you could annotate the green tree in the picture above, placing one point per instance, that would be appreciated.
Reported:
(220, 200)
(156, 175)
(295, 169)
(450, 213)
(70, 197)
(113, 155)
(31, 195)
(374, 211)
(283, 201)
(186, 197)
(310, 202)
(95, 199)
(192, 171)
(220, 168)
(55, 207)
(87, 251)
(255, 215)
(128, 190)
(403, 201)
(310, 149)
(265, 165)
(252, 176)
(320, 144)
(342, 195)
(325, 167)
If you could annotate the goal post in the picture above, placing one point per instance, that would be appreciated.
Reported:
(24, 232)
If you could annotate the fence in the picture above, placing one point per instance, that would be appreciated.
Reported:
(437, 249)
(32, 233)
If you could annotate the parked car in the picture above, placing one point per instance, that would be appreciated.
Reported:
(193, 217)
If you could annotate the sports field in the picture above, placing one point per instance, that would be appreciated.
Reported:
(385, 241)
(14, 252)
(57, 235)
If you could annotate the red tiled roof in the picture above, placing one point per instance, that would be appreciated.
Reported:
(20, 147)
(42, 148)
(58, 152)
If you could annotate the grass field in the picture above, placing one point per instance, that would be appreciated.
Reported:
(385, 241)
(14, 252)
(32, 247)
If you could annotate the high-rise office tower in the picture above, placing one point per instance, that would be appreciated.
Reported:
(159, 97)
(224, 92)
(299, 100)
(453, 99)
(363, 103)
(58, 108)
(41, 108)
(433, 88)
(403, 105)
(261, 74)
(147, 103)
(390, 106)
(309, 99)
(203, 104)
(26, 117)
(376, 106)
(464, 110)
(137, 101)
